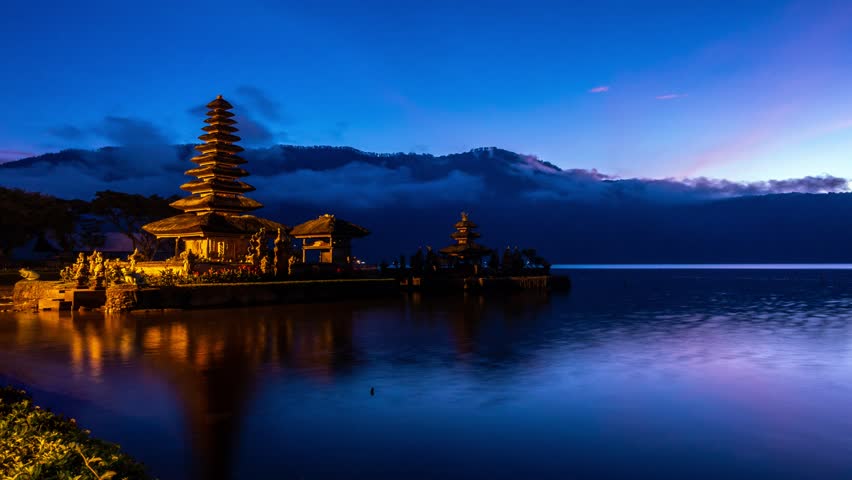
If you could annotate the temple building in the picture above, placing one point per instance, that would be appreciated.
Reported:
(328, 236)
(466, 249)
(214, 224)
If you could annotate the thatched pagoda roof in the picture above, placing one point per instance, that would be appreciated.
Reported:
(218, 185)
(465, 223)
(218, 136)
(467, 250)
(462, 235)
(206, 224)
(465, 236)
(219, 147)
(221, 127)
(218, 103)
(221, 118)
(218, 157)
(217, 170)
(216, 203)
(329, 225)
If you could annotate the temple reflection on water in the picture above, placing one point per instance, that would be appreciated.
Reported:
(214, 364)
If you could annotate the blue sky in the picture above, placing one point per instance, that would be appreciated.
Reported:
(738, 90)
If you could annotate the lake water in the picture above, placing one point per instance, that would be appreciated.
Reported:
(636, 373)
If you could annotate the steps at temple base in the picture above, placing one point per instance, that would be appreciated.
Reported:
(55, 304)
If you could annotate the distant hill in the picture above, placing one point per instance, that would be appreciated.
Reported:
(409, 200)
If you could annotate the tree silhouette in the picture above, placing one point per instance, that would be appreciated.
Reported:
(128, 212)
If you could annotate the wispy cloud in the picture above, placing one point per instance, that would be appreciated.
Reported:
(809, 184)
(600, 89)
(671, 96)
(197, 111)
(130, 131)
(265, 105)
(67, 132)
(252, 131)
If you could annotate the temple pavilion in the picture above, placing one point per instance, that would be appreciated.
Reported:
(329, 236)
(214, 224)
(466, 249)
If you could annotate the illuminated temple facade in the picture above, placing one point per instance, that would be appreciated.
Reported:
(214, 224)
(329, 237)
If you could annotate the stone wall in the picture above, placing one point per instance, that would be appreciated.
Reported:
(129, 297)
(27, 293)
(121, 298)
(247, 294)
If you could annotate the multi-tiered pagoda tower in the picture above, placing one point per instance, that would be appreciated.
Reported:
(466, 249)
(214, 225)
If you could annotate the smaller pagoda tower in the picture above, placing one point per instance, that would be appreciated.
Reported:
(213, 224)
(466, 249)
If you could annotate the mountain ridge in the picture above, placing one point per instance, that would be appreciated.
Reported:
(570, 215)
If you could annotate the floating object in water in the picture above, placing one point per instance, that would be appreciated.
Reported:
(372, 391)
(29, 274)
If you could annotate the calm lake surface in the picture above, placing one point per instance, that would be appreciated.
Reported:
(635, 373)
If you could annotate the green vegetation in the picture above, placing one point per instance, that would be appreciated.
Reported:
(242, 274)
(27, 216)
(128, 212)
(37, 444)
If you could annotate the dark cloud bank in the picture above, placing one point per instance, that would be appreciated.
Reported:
(409, 200)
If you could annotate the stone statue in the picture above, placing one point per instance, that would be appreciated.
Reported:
(98, 271)
(262, 245)
(292, 261)
(281, 254)
(81, 271)
(29, 274)
(132, 278)
(188, 261)
(251, 256)
(111, 272)
(431, 260)
(257, 249)
(133, 258)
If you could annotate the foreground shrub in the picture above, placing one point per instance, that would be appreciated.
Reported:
(36, 444)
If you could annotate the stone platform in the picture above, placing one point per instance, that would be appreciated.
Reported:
(29, 295)
(57, 296)
(440, 283)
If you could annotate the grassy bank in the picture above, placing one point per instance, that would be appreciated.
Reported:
(35, 444)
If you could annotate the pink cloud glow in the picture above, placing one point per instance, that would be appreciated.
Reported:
(671, 96)
(764, 130)
(10, 155)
